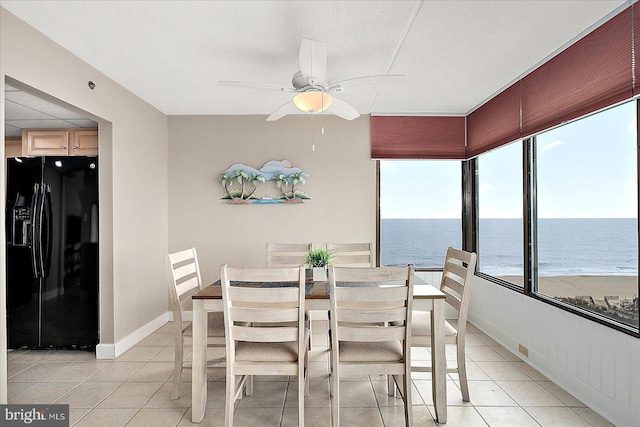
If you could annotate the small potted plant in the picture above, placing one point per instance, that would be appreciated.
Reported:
(318, 259)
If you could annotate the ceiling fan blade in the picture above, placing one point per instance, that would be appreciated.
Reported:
(367, 81)
(342, 109)
(253, 85)
(287, 108)
(313, 60)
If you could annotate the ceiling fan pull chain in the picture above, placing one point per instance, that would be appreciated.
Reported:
(322, 113)
(313, 136)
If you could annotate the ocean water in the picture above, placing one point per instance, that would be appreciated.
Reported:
(602, 246)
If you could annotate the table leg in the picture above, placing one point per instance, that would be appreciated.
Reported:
(199, 367)
(438, 361)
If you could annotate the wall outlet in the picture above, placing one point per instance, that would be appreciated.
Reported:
(524, 350)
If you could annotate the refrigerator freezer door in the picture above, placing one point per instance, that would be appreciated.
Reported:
(60, 308)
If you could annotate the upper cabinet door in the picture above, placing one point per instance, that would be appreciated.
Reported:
(60, 142)
(53, 142)
(84, 142)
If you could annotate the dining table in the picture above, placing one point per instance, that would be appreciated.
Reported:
(426, 297)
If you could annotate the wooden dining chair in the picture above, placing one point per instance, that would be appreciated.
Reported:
(265, 330)
(352, 254)
(286, 254)
(183, 273)
(459, 268)
(370, 327)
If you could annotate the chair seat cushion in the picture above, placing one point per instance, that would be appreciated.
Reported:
(215, 325)
(421, 325)
(386, 351)
(267, 351)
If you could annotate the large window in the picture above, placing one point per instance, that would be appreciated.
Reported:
(420, 211)
(500, 213)
(587, 208)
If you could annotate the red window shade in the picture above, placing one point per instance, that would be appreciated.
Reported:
(495, 123)
(417, 137)
(591, 74)
(636, 45)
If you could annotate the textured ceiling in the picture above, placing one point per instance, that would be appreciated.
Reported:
(454, 54)
(24, 110)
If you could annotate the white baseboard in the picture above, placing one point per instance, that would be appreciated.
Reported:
(106, 351)
(112, 351)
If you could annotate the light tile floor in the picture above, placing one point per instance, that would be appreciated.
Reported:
(134, 390)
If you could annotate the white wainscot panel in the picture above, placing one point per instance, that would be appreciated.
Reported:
(596, 364)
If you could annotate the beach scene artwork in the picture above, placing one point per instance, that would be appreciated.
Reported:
(276, 182)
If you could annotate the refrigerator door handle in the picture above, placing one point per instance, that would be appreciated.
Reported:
(48, 243)
(39, 222)
(35, 231)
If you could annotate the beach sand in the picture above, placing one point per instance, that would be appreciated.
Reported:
(596, 286)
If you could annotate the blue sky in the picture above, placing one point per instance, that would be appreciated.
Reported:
(586, 169)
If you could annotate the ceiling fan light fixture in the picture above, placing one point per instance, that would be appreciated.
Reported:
(313, 101)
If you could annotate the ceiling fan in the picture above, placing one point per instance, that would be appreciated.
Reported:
(314, 87)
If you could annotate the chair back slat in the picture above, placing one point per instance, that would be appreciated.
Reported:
(264, 315)
(363, 295)
(386, 275)
(286, 260)
(286, 254)
(452, 284)
(374, 315)
(264, 334)
(247, 295)
(187, 285)
(454, 270)
(453, 300)
(352, 254)
(181, 256)
(372, 334)
(183, 271)
(350, 247)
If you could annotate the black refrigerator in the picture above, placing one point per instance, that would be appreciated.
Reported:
(52, 252)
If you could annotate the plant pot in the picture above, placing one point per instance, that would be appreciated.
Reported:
(319, 274)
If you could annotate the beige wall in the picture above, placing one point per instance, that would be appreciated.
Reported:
(341, 184)
(133, 178)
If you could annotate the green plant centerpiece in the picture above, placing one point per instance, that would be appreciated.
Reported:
(319, 257)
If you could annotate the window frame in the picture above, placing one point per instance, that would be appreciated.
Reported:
(465, 198)
(530, 222)
(470, 226)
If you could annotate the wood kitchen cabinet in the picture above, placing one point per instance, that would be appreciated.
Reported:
(12, 147)
(84, 142)
(60, 142)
